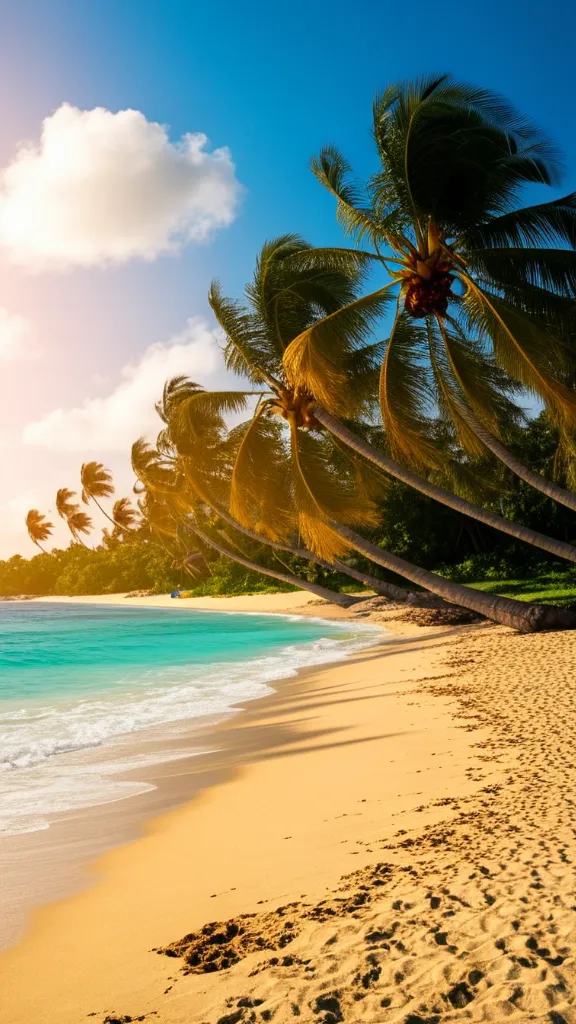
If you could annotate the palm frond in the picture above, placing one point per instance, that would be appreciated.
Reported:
(362, 477)
(175, 391)
(80, 522)
(260, 493)
(405, 392)
(159, 516)
(448, 397)
(356, 264)
(96, 481)
(528, 352)
(552, 223)
(294, 284)
(65, 507)
(197, 432)
(321, 498)
(246, 351)
(153, 471)
(124, 514)
(483, 385)
(353, 209)
(215, 404)
(362, 369)
(314, 360)
(473, 480)
(553, 270)
(38, 527)
(436, 135)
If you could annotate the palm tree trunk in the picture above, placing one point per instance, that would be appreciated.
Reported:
(521, 615)
(328, 595)
(39, 546)
(536, 480)
(423, 599)
(555, 547)
(103, 511)
(389, 590)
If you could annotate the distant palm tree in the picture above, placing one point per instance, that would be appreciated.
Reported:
(65, 507)
(38, 527)
(96, 483)
(124, 515)
(79, 522)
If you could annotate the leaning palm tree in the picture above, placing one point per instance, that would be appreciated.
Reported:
(318, 496)
(260, 345)
(65, 507)
(96, 483)
(196, 434)
(173, 515)
(285, 296)
(38, 527)
(78, 523)
(482, 288)
(124, 516)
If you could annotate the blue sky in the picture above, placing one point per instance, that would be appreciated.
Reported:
(272, 82)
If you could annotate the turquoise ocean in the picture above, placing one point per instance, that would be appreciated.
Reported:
(84, 689)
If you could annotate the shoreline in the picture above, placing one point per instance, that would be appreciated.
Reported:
(282, 603)
(54, 863)
(256, 737)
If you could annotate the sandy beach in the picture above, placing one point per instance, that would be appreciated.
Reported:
(390, 838)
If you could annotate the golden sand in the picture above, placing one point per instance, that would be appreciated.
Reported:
(400, 829)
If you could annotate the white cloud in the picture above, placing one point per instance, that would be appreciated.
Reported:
(112, 423)
(102, 187)
(14, 331)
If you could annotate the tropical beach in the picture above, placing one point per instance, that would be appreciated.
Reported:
(287, 513)
(417, 866)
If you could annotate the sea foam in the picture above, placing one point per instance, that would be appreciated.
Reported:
(61, 755)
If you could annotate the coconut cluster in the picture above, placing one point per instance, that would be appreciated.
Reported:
(423, 296)
(426, 277)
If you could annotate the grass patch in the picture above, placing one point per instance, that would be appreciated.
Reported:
(550, 588)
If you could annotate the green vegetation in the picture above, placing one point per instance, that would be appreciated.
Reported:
(77, 570)
(548, 588)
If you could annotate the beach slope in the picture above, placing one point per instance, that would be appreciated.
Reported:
(400, 829)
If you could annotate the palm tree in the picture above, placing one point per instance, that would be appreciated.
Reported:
(96, 483)
(124, 516)
(79, 522)
(39, 529)
(69, 510)
(65, 507)
(311, 485)
(170, 514)
(195, 432)
(260, 344)
(285, 296)
(483, 289)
